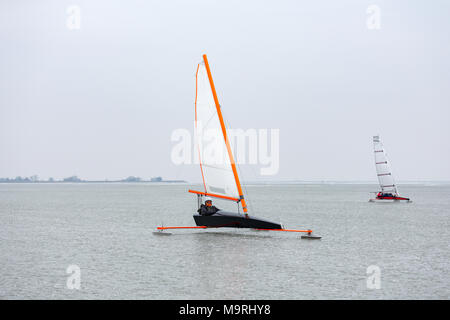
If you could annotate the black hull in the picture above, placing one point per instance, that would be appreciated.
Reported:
(223, 219)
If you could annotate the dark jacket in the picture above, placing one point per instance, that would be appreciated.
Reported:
(387, 195)
(207, 211)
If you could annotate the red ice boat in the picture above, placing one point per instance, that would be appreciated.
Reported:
(389, 191)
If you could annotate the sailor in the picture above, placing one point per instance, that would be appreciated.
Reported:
(207, 209)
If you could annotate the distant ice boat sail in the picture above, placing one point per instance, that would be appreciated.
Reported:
(384, 171)
(388, 187)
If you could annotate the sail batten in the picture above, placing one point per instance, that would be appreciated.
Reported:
(215, 167)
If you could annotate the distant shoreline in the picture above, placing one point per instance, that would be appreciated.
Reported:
(96, 181)
(247, 183)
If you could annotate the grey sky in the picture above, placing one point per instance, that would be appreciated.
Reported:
(102, 101)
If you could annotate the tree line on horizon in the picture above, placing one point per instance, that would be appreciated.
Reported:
(35, 178)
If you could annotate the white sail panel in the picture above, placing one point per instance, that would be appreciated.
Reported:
(383, 168)
(215, 163)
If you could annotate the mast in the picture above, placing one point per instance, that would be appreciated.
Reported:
(224, 131)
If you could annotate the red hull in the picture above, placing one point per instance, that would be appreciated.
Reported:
(392, 198)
